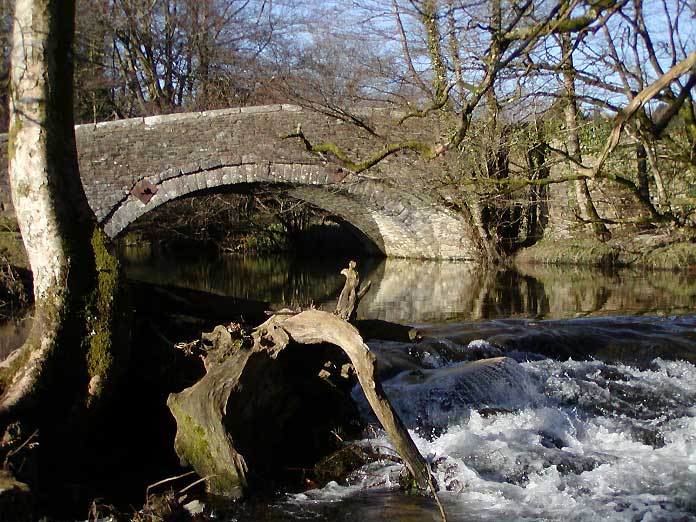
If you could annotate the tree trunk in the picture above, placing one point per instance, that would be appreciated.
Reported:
(661, 192)
(586, 206)
(642, 170)
(68, 358)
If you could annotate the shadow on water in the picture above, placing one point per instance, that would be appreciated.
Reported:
(13, 333)
(282, 280)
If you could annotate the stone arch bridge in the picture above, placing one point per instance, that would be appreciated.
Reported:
(132, 166)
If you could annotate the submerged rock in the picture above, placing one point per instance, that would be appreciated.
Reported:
(340, 464)
(431, 398)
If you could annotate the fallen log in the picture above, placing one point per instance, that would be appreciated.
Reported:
(387, 331)
(208, 414)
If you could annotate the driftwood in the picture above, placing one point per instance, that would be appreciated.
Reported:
(237, 414)
(203, 411)
(313, 327)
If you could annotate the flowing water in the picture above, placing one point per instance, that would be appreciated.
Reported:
(586, 411)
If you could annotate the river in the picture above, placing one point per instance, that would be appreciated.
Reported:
(592, 416)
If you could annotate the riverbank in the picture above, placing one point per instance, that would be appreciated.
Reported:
(657, 251)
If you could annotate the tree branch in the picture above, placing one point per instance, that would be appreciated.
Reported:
(421, 148)
(635, 105)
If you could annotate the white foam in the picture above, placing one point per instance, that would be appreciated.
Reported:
(571, 454)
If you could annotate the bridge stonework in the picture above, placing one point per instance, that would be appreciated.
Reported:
(130, 167)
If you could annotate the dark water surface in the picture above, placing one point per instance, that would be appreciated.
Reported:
(420, 291)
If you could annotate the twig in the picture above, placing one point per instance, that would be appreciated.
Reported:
(433, 489)
(13, 452)
(164, 481)
(331, 148)
(636, 103)
(203, 479)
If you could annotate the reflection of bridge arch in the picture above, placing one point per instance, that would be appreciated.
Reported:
(129, 167)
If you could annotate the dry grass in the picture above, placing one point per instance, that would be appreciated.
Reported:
(650, 252)
(573, 252)
(13, 294)
(676, 256)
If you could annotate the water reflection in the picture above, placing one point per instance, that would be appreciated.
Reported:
(575, 292)
(13, 333)
(427, 291)
(418, 291)
(424, 291)
(280, 280)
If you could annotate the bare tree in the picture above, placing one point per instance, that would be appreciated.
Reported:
(586, 206)
(477, 64)
(461, 63)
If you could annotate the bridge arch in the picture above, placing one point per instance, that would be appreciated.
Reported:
(394, 224)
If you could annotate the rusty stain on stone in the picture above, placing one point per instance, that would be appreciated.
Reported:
(144, 190)
(338, 175)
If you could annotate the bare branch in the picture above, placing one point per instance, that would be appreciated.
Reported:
(637, 103)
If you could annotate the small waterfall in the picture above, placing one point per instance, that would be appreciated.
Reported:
(431, 399)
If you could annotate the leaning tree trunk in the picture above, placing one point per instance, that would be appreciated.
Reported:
(68, 357)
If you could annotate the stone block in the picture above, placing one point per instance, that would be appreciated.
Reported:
(211, 163)
(188, 184)
(228, 175)
(179, 117)
(259, 109)
(217, 113)
(189, 167)
(282, 171)
(213, 178)
(175, 187)
(307, 172)
(247, 173)
(263, 172)
(172, 172)
(201, 180)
